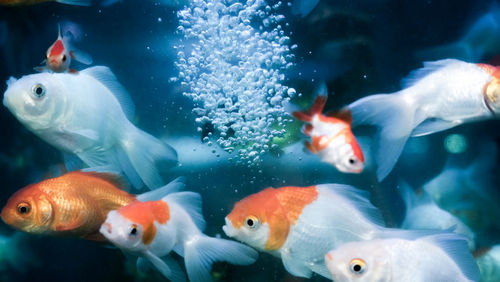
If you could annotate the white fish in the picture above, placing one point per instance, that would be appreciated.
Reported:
(440, 96)
(299, 224)
(423, 213)
(153, 229)
(87, 114)
(438, 257)
(489, 264)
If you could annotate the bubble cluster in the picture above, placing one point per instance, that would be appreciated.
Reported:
(232, 58)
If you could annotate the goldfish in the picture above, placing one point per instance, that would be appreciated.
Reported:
(440, 96)
(33, 2)
(423, 213)
(300, 224)
(332, 138)
(60, 54)
(74, 204)
(88, 115)
(413, 257)
(152, 230)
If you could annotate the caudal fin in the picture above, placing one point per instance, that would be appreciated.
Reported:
(146, 153)
(317, 107)
(395, 118)
(201, 253)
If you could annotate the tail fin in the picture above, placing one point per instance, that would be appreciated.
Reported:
(200, 254)
(317, 107)
(146, 153)
(395, 118)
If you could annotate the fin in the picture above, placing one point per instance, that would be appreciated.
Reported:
(433, 125)
(121, 160)
(191, 202)
(166, 267)
(145, 153)
(93, 159)
(359, 198)
(86, 133)
(429, 67)
(107, 78)
(408, 196)
(97, 237)
(142, 264)
(320, 268)
(77, 222)
(303, 7)
(310, 147)
(72, 71)
(11, 81)
(41, 69)
(317, 107)
(174, 186)
(306, 129)
(80, 56)
(457, 248)
(201, 253)
(295, 267)
(179, 249)
(76, 2)
(72, 162)
(395, 118)
(344, 114)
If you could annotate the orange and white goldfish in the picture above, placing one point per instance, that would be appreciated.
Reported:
(440, 96)
(33, 2)
(151, 230)
(301, 224)
(332, 138)
(74, 204)
(60, 54)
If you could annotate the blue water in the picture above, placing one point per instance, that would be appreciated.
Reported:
(358, 48)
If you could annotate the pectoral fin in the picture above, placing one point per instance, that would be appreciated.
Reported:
(74, 224)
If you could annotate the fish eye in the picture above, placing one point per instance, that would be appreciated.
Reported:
(352, 160)
(38, 90)
(357, 266)
(133, 230)
(23, 208)
(252, 222)
(64, 58)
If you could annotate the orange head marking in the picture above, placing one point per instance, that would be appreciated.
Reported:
(278, 208)
(57, 48)
(145, 214)
(491, 89)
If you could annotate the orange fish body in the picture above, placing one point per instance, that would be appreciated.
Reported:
(331, 137)
(75, 204)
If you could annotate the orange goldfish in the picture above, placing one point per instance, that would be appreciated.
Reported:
(332, 138)
(33, 2)
(74, 204)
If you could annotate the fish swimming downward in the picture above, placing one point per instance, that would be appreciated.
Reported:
(151, 230)
(412, 257)
(88, 114)
(61, 53)
(440, 96)
(331, 136)
(300, 224)
(74, 204)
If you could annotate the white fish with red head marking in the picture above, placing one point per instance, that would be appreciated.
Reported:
(60, 54)
(331, 136)
(88, 114)
(441, 95)
(300, 224)
(411, 257)
(151, 230)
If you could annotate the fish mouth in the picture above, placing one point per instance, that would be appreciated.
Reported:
(105, 230)
(228, 228)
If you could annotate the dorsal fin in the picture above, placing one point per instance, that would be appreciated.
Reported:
(343, 114)
(108, 79)
(110, 177)
(429, 67)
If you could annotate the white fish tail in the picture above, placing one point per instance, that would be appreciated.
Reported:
(76, 2)
(174, 186)
(394, 115)
(201, 252)
(146, 153)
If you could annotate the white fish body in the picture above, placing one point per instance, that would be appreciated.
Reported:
(439, 257)
(440, 96)
(85, 114)
(423, 213)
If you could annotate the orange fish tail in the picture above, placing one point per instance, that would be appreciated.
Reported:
(316, 108)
